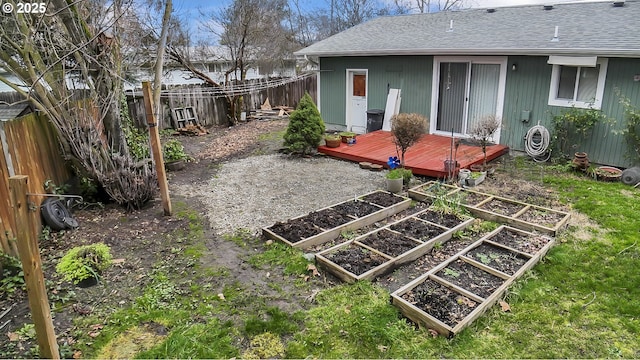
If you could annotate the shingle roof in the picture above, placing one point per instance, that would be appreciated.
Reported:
(597, 28)
(10, 112)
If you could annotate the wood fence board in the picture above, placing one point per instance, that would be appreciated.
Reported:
(34, 151)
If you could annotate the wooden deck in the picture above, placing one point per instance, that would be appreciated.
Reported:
(425, 158)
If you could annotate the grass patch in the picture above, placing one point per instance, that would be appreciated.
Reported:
(278, 254)
(580, 301)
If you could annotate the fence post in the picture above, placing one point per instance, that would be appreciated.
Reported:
(27, 241)
(156, 149)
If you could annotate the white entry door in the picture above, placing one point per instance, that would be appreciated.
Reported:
(357, 101)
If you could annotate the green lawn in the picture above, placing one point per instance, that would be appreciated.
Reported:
(580, 301)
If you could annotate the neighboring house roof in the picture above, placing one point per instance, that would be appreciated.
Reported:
(10, 112)
(583, 28)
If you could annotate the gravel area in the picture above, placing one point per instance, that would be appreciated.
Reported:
(257, 191)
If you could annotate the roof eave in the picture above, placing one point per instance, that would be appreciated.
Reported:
(483, 51)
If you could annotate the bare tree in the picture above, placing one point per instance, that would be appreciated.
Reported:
(429, 6)
(253, 35)
(72, 70)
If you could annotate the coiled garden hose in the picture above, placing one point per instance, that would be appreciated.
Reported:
(536, 143)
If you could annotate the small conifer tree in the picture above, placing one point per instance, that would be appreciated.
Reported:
(305, 129)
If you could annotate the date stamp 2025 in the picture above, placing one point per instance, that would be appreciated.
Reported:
(24, 7)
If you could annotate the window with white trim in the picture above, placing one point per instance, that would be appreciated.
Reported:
(578, 86)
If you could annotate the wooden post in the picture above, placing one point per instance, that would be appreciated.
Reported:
(156, 148)
(29, 252)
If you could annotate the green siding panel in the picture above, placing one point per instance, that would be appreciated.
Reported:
(412, 74)
(527, 88)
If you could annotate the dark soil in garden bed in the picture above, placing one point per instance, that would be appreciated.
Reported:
(389, 242)
(498, 258)
(417, 229)
(356, 259)
(357, 208)
(295, 230)
(328, 218)
(542, 217)
(384, 199)
(471, 198)
(436, 189)
(440, 302)
(525, 243)
(470, 278)
(438, 254)
(441, 218)
(502, 207)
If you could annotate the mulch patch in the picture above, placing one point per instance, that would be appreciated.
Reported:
(328, 218)
(295, 230)
(440, 302)
(472, 198)
(441, 218)
(417, 229)
(541, 217)
(389, 242)
(529, 244)
(384, 199)
(470, 278)
(498, 258)
(502, 207)
(356, 259)
(356, 208)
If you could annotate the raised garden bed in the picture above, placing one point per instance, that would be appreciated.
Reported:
(495, 208)
(418, 229)
(389, 242)
(496, 257)
(453, 294)
(326, 224)
(352, 261)
(402, 241)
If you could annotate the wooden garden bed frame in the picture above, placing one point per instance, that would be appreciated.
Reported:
(422, 318)
(357, 223)
(421, 248)
(514, 220)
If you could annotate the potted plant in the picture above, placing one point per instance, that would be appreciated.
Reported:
(346, 135)
(83, 265)
(332, 140)
(476, 177)
(483, 132)
(407, 130)
(174, 155)
(395, 180)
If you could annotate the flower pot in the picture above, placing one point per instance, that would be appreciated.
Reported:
(332, 143)
(464, 174)
(608, 173)
(394, 185)
(476, 178)
(581, 161)
(175, 165)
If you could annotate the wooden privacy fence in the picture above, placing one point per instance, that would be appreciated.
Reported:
(28, 146)
(211, 109)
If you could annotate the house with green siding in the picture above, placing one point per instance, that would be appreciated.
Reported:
(523, 64)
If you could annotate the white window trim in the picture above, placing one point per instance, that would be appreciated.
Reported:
(596, 104)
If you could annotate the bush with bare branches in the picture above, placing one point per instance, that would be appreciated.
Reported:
(483, 132)
(407, 130)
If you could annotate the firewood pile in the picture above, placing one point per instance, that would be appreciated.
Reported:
(191, 130)
(268, 112)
